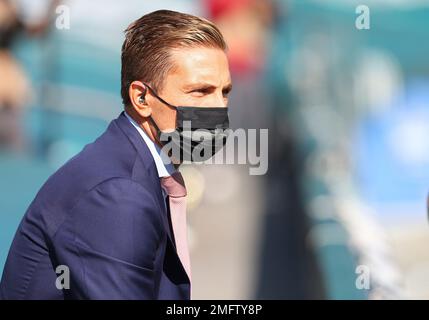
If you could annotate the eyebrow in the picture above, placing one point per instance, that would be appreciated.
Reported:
(206, 85)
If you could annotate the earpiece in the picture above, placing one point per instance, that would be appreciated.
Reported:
(141, 98)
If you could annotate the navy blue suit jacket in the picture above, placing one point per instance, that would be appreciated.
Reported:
(104, 217)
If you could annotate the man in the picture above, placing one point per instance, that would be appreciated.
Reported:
(113, 217)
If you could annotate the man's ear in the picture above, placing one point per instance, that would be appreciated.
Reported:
(137, 93)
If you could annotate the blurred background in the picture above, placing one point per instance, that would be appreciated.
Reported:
(344, 198)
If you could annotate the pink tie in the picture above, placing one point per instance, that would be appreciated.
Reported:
(176, 190)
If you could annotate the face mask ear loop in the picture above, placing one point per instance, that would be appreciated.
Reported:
(159, 98)
(158, 131)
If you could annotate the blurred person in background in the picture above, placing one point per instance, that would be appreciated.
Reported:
(14, 85)
(286, 265)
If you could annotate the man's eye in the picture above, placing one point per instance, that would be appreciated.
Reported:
(202, 91)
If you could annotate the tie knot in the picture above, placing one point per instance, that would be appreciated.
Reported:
(174, 185)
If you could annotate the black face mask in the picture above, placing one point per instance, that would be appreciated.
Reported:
(200, 131)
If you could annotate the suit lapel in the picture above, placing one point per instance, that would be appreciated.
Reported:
(147, 164)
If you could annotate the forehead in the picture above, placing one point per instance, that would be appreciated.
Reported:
(200, 64)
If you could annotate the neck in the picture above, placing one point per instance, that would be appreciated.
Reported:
(145, 124)
(149, 128)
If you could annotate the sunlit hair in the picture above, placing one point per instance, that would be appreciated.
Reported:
(150, 40)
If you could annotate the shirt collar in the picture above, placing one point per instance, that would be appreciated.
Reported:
(163, 163)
